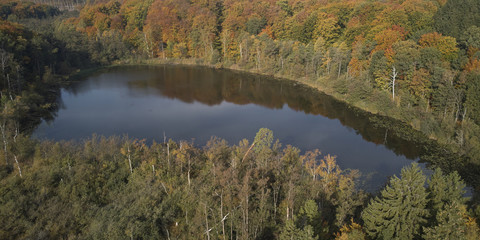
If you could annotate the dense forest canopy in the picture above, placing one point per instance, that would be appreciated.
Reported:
(414, 60)
(113, 188)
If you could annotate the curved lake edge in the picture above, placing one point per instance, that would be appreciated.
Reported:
(82, 74)
(433, 153)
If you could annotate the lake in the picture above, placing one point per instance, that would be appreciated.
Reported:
(195, 103)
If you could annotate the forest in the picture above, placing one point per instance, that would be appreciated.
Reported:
(417, 61)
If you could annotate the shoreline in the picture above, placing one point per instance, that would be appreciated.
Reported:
(315, 84)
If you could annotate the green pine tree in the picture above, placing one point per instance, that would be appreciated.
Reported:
(291, 232)
(472, 103)
(400, 211)
(451, 223)
(311, 217)
(447, 206)
(445, 190)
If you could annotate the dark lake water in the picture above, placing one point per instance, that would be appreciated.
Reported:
(194, 103)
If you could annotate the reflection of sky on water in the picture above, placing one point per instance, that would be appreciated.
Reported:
(114, 104)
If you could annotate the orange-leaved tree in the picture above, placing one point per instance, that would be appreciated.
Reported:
(445, 44)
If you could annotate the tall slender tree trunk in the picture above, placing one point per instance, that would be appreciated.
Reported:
(394, 78)
(188, 173)
(221, 215)
(246, 214)
(18, 165)
(224, 42)
(147, 46)
(5, 141)
(328, 66)
(206, 223)
(241, 51)
(339, 68)
(9, 88)
(163, 51)
(129, 159)
(231, 225)
(168, 153)
(14, 155)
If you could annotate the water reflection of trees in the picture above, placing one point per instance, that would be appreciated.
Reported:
(43, 105)
(212, 87)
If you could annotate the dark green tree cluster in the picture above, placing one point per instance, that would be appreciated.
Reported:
(15, 10)
(455, 17)
(118, 188)
(123, 188)
(406, 209)
(400, 210)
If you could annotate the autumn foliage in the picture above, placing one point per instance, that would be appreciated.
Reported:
(445, 44)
